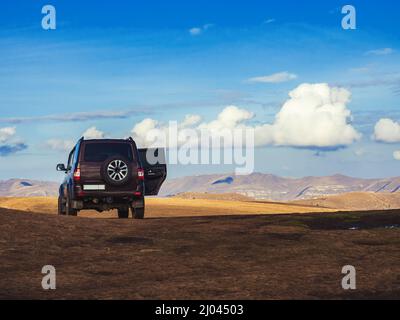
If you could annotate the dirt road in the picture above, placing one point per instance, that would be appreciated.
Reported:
(230, 257)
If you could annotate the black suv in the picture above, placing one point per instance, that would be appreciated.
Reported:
(110, 174)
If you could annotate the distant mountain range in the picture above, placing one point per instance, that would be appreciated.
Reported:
(27, 188)
(257, 185)
(270, 187)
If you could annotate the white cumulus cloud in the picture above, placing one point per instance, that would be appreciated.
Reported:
(60, 145)
(386, 130)
(93, 133)
(9, 143)
(190, 120)
(142, 129)
(7, 133)
(68, 144)
(274, 78)
(314, 116)
(231, 117)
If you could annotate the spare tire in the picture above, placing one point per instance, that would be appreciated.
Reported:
(116, 171)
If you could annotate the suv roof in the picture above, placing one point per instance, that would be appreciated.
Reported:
(108, 140)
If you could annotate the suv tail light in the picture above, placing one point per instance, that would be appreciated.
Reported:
(140, 174)
(77, 174)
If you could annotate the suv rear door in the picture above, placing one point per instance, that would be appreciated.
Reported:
(155, 169)
(93, 159)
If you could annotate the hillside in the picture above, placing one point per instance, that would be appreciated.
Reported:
(270, 187)
(256, 186)
(356, 201)
(27, 188)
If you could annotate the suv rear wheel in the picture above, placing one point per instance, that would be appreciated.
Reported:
(138, 213)
(123, 213)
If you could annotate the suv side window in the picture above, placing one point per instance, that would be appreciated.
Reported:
(71, 159)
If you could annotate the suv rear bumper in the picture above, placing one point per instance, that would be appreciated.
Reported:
(105, 194)
(104, 206)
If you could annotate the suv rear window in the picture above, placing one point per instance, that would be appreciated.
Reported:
(99, 152)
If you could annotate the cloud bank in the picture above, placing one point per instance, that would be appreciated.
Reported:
(314, 117)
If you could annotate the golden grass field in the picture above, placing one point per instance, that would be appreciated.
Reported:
(170, 207)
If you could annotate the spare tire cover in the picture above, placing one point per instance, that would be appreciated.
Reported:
(116, 171)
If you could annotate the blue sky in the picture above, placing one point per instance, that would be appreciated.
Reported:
(110, 64)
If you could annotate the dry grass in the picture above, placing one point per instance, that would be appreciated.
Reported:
(356, 201)
(169, 207)
(228, 257)
(214, 196)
